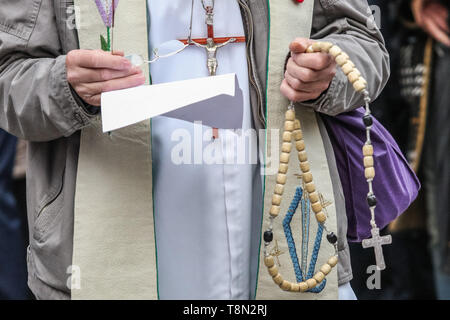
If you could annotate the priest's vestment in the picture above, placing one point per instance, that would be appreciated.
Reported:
(189, 230)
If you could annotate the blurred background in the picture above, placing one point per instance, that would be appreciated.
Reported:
(414, 107)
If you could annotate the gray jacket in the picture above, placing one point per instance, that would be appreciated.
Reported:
(38, 105)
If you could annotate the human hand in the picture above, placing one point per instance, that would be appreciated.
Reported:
(432, 17)
(91, 72)
(307, 75)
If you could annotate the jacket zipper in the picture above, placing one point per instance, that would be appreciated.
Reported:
(254, 81)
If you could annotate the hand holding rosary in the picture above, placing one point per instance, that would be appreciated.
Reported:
(293, 131)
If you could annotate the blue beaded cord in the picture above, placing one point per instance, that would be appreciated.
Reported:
(305, 208)
(313, 261)
(288, 233)
(305, 233)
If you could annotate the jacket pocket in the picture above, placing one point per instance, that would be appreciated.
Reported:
(18, 17)
(49, 210)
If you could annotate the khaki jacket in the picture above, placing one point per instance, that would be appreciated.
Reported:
(38, 105)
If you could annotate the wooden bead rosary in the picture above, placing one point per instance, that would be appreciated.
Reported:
(293, 131)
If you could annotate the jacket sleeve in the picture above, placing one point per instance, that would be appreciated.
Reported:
(36, 101)
(350, 25)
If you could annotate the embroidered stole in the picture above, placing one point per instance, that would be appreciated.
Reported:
(114, 242)
(289, 20)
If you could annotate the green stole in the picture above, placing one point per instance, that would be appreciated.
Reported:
(114, 242)
(114, 237)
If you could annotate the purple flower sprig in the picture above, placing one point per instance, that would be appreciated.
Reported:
(107, 17)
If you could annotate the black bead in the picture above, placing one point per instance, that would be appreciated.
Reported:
(268, 236)
(372, 200)
(368, 120)
(332, 238)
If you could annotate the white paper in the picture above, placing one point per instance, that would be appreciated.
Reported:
(216, 101)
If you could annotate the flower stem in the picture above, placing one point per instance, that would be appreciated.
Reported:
(108, 30)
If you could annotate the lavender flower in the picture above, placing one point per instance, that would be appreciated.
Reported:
(107, 15)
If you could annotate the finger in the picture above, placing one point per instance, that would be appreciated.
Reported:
(98, 59)
(294, 83)
(438, 34)
(118, 53)
(309, 75)
(438, 9)
(115, 52)
(300, 45)
(114, 84)
(294, 95)
(94, 100)
(440, 19)
(417, 9)
(85, 75)
(316, 61)
(308, 87)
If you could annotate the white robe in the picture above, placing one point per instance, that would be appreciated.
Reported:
(202, 212)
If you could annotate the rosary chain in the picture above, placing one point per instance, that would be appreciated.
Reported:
(292, 129)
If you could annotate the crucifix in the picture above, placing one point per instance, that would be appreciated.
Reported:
(377, 242)
(276, 252)
(211, 44)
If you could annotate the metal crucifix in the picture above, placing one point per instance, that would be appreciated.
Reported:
(211, 44)
(377, 242)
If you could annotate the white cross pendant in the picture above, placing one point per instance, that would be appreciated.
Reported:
(377, 242)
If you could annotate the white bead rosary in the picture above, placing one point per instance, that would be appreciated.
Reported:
(293, 131)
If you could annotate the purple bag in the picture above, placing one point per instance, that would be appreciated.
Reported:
(395, 184)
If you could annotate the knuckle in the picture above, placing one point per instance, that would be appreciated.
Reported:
(285, 90)
(71, 77)
(296, 84)
(323, 61)
(104, 75)
(306, 75)
(82, 90)
(70, 58)
(316, 62)
(320, 64)
(289, 63)
(94, 59)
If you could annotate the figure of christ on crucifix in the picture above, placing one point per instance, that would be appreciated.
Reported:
(211, 51)
(211, 45)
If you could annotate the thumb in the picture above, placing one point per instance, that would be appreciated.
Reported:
(300, 45)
